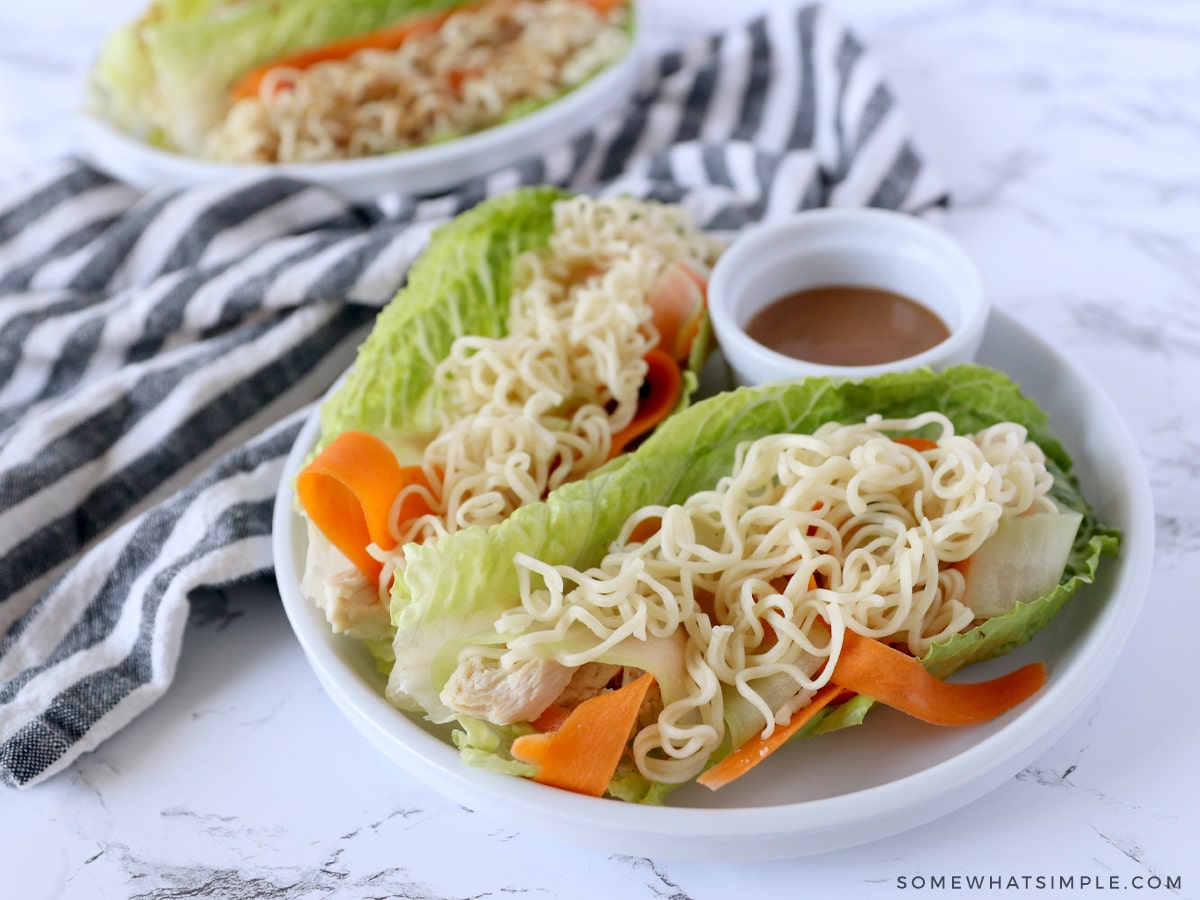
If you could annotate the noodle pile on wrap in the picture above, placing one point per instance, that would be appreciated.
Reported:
(504, 605)
(311, 81)
(539, 336)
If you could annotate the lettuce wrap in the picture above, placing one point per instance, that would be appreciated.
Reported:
(460, 287)
(171, 77)
(455, 591)
(165, 77)
(460, 284)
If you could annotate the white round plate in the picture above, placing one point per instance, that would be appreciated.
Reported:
(834, 791)
(422, 170)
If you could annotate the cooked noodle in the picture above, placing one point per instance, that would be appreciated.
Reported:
(529, 411)
(463, 77)
(809, 535)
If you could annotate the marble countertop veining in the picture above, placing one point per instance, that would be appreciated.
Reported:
(1069, 131)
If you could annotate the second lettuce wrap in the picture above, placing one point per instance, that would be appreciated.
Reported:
(164, 78)
(459, 587)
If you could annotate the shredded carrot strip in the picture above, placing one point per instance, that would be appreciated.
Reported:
(552, 718)
(894, 678)
(677, 308)
(758, 748)
(459, 77)
(388, 38)
(919, 444)
(661, 390)
(348, 491)
(604, 7)
(644, 530)
(891, 676)
(583, 754)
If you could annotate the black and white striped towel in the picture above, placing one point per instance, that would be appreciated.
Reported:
(159, 350)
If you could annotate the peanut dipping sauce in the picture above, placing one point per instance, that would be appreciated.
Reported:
(847, 325)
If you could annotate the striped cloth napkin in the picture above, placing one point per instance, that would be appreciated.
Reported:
(159, 350)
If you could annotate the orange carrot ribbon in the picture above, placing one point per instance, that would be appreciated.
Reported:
(583, 753)
(919, 444)
(348, 491)
(677, 303)
(892, 677)
(755, 750)
(660, 393)
(896, 679)
(388, 38)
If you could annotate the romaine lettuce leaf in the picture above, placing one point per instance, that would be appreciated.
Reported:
(457, 587)
(165, 77)
(479, 742)
(460, 284)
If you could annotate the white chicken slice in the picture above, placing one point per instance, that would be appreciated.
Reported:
(589, 680)
(351, 603)
(484, 689)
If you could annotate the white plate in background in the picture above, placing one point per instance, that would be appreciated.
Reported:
(421, 170)
(830, 792)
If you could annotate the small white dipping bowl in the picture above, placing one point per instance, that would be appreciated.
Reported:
(873, 248)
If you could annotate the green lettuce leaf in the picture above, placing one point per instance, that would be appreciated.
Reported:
(460, 284)
(480, 743)
(165, 77)
(459, 587)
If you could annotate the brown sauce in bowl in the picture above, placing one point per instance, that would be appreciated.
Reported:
(847, 325)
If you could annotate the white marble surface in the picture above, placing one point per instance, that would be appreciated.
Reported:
(1069, 131)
